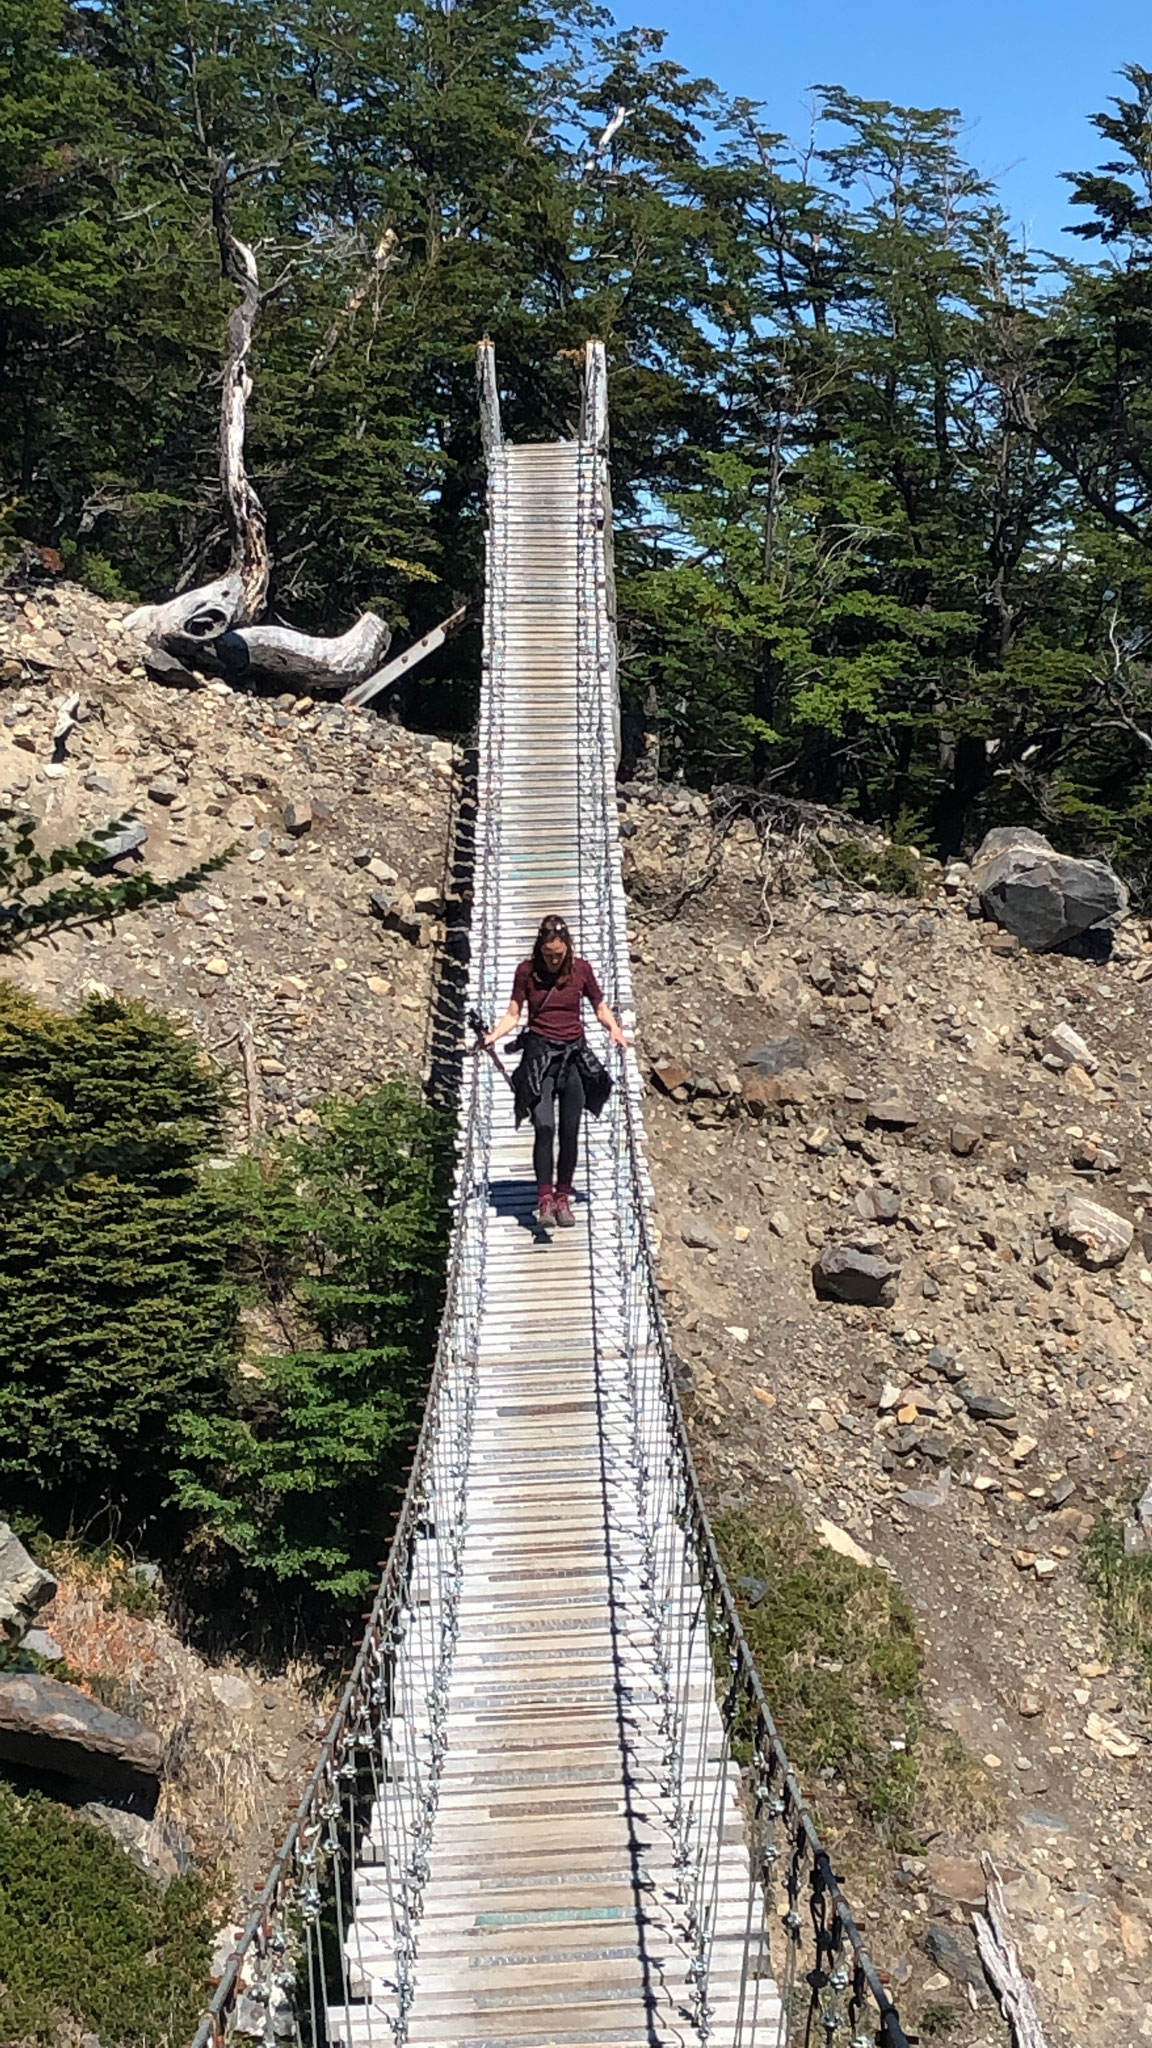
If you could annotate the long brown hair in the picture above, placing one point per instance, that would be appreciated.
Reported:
(553, 928)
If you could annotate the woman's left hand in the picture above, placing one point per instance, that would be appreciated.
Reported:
(618, 1037)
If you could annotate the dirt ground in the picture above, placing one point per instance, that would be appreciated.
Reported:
(905, 1009)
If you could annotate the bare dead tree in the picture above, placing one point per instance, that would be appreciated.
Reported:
(215, 627)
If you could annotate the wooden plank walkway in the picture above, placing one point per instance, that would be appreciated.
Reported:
(556, 1913)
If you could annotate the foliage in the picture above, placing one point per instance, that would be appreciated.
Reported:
(883, 513)
(344, 1235)
(893, 870)
(117, 1304)
(132, 1271)
(29, 910)
(1123, 1585)
(938, 2018)
(836, 1647)
(87, 1942)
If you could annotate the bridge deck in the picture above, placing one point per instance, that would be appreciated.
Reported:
(554, 1911)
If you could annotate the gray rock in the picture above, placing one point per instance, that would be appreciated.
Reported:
(775, 1056)
(232, 1691)
(1044, 897)
(1067, 1046)
(1094, 1235)
(24, 1586)
(877, 1204)
(956, 1958)
(298, 818)
(892, 1112)
(753, 1589)
(699, 1235)
(117, 846)
(987, 1407)
(844, 1272)
(162, 791)
(397, 913)
(41, 1644)
(47, 1726)
(143, 1841)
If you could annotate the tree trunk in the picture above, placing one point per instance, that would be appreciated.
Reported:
(238, 597)
(212, 629)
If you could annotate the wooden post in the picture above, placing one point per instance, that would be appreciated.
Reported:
(491, 433)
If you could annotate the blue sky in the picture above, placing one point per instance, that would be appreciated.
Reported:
(1026, 73)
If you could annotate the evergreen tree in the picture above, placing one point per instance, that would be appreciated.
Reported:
(117, 1304)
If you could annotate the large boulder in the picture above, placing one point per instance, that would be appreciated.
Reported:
(47, 1726)
(1042, 896)
(24, 1587)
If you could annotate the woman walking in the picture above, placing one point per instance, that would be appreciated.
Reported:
(559, 1075)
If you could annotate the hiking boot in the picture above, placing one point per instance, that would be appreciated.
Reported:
(562, 1210)
(544, 1214)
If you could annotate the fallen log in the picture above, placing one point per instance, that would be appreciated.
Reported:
(1001, 1962)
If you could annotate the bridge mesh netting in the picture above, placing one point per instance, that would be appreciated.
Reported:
(552, 1807)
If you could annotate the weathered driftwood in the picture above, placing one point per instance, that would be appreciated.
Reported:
(1002, 1964)
(234, 599)
(277, 654)
(411, 658)
(271, 656)
(210, 630)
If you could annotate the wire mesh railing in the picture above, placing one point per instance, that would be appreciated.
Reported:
(772, 1956)
(328, 1953)
(804, 1971)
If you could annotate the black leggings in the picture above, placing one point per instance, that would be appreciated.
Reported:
(571, 1106)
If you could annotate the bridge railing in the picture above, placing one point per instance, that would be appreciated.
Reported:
(328, 1952)
(800, 1938)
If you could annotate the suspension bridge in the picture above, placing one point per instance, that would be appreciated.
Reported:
(552, 1810)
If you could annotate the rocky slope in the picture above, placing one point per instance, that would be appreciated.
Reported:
(881, 1085)
(894, 1078)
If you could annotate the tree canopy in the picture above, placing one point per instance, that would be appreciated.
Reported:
(883, 476)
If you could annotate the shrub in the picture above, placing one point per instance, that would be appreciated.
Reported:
(345, 1234)
(895, 871)
(839, 1657)
(87, 1942)
(1123, 1586)
(117, 1304)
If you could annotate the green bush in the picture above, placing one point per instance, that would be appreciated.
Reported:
(88, 1944)
(836, 1648)
(344, 1244)
(117, 1303)
(894, 872)
(125, 1266)
(1123, 1586)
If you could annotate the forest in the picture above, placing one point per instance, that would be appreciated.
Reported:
(882, 473)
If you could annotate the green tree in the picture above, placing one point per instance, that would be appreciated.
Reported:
(117, 1304)
(344, 1250)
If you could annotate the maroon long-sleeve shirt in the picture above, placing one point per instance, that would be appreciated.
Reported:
(554, 1010)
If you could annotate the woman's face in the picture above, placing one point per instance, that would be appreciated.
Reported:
(554, 951)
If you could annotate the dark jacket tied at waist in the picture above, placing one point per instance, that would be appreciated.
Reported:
(538, 1054)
